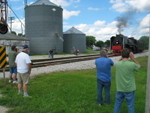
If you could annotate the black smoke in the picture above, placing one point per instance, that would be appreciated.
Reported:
(125, 20)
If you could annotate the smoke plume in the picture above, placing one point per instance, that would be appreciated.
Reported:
(124, 21)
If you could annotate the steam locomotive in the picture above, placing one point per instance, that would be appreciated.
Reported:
(120, 42)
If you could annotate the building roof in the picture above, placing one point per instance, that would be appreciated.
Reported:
(10, 36)
(44, 2)
(73, 30)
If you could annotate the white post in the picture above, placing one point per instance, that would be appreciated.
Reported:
(147, 104)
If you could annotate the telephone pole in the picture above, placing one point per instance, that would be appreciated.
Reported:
(11, 21)
(25, 3)
(147, 104)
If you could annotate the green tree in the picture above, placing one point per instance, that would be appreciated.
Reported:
(107, 43)
(90, 41)
(99, 44)
(20, 34)
(13, 32)
(144, 41)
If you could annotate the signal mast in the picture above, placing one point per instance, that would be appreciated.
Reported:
(3, 16)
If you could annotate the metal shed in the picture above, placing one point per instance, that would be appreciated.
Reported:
(10, 39)
(43, 27)
(74, 39)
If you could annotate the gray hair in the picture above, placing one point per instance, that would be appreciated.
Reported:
(103, 53)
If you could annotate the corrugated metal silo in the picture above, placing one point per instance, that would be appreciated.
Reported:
(74, 39)
(43, 27)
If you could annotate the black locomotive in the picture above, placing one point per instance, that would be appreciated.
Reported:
(120, 42)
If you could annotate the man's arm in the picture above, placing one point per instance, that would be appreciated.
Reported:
(132, 58)
(29, 67)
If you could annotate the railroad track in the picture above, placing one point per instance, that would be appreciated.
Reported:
(62, 60)
(56, 61)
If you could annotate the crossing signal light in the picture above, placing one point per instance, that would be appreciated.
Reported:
(3, 28)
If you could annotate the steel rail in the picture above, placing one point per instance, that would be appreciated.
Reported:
(62, 60)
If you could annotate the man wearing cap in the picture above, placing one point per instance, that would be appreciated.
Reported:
(23, 63)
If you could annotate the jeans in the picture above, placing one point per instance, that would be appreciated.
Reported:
(120, 96)
(100, 86)
(13, 70)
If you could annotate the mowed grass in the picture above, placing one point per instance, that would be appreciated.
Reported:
(69, 92)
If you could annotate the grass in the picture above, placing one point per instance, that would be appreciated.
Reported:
(68, 92)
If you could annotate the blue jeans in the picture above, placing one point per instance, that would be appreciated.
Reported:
(100, 86)
(120, 96)
(13, 70)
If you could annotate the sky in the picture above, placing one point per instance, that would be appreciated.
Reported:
(99, 18)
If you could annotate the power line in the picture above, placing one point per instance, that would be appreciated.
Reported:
(17, 18)
(11, 21)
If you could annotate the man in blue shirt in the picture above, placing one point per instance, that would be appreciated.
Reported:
(103, 67)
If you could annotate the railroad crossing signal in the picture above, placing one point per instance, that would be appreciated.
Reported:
(3, 60)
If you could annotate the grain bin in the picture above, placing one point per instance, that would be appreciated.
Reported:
(43, 27)
(74, 39)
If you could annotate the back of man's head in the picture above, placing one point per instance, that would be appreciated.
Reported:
(103, 53)
(13, 47)
(125, 53)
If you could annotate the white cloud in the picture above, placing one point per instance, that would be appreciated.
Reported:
(64, 3)
(99, 23)
(67, 14)
(125, 5)
(120, 7)
(100, 29)
(104, 31)
(145, 31)
(17, 26)
(145, 25)
(145, 21)
(140, 5)
(93, 9)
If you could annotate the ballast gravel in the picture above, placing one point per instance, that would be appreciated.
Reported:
(90, 64)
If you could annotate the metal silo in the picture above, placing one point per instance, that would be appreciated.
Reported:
(74, 39)
(43, 27)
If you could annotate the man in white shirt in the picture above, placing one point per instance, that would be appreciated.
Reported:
(23, 63)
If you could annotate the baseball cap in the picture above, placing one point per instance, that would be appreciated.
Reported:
(25, 47)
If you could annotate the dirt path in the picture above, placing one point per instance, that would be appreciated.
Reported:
(3, 109)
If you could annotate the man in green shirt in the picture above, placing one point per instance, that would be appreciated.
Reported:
(125, 81)
(12, 66)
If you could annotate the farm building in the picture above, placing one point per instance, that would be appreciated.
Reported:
(9, 39)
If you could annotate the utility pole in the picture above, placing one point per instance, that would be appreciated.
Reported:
(25, 3)
(147, 104)
(11, 21)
